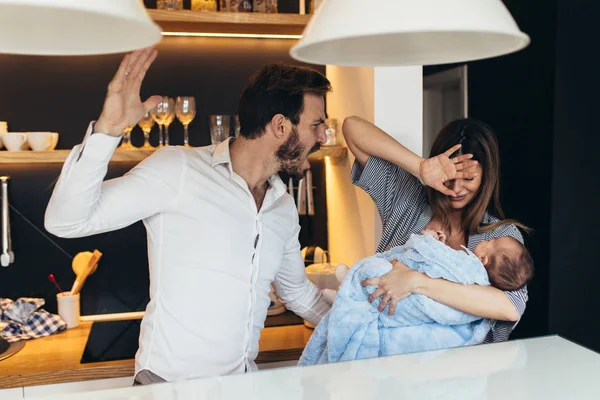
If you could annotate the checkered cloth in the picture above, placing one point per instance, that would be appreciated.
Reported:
(22, 320)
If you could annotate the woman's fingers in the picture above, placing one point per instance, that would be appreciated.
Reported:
(466, 175)
(461, 158)
(440, 187)
(392, 309)
(377, 293)
(384, 301)
(452, 150)
(371, 282)
(465, 165)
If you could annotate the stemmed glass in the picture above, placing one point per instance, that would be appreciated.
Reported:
(146, 123)
(163, 112)
(185, 109)
(168, 119)
(126, 143)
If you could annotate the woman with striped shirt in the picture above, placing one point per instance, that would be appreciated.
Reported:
(457, 191)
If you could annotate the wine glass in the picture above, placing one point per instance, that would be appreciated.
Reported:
(163, 111)
(170, 116)
(185, 109)
(219, 128)
(126, 143)
(146, 123)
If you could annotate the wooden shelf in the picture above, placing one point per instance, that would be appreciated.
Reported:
(59, 156)
(227, 22)
(335, 153)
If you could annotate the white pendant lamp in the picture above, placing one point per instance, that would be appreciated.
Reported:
(75, 27)
(408, 32)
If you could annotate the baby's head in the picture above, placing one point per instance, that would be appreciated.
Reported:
(508, 263)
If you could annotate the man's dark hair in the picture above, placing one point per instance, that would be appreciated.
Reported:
(277, 89)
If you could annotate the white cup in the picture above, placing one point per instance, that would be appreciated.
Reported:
(68, 308)
(14, 141)
(42, 141)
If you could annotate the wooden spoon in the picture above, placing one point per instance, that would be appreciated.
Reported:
(84, 265)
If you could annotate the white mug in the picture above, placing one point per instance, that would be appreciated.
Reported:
(42, 141)
(14, 141)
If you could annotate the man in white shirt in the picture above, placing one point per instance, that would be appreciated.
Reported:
(220, 226)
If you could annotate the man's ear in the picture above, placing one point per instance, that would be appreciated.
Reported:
(280, 126)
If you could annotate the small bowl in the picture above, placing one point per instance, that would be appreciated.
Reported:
(42, 141)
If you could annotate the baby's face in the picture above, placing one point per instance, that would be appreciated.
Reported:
(490, 247)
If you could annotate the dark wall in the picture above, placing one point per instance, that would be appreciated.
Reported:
(63, 95)
(514, 94)
(575, 266)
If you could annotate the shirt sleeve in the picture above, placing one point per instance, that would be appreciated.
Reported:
(501, 330)
(82, 204)
(293, 287)
(389, 186)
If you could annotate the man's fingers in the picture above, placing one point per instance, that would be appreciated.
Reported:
(137, 66)
(122, 67)
(151, 103)
(142, 73)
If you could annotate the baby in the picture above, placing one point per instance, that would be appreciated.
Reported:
(507, 262)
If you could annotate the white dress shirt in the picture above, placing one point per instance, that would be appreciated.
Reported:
(212, 254)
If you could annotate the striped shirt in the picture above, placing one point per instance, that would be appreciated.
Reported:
(402, 203)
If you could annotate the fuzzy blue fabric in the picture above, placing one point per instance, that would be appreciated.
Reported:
(354, 329)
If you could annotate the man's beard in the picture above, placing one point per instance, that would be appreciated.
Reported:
(292, 153)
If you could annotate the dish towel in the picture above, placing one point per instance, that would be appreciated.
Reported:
(23, 319)
(354, 329)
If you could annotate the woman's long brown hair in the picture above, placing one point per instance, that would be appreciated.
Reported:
(476, 138)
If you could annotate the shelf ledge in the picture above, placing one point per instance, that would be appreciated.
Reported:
(229, 23)
(59, 156)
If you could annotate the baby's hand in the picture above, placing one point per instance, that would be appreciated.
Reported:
(438, 235)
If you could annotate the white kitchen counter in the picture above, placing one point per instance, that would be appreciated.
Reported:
(541, 368)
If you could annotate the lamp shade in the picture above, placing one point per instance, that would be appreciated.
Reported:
(408, 32)
(75, 27)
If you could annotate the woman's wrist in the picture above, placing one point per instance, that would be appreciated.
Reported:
(419, 283)
(417, 170)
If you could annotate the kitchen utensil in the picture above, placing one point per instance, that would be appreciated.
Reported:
(7, 257)
(68, 308)
(314, 254)
(291, 187)
(53, 280)
(84, 264)
(309, 194)
(301, 202)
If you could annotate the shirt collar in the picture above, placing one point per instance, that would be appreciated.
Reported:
(221, 155)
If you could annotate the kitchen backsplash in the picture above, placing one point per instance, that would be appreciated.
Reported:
(63, 95)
